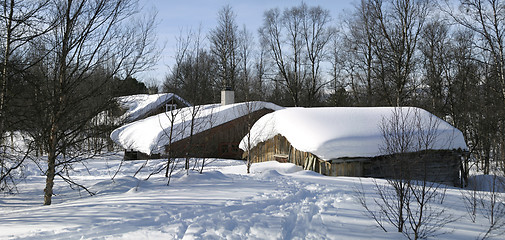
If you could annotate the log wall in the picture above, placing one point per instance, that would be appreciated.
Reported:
(218, 142)
(279, 149)
(436, 166)
(430, 165)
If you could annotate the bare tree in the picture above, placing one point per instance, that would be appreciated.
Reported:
(316, 34)
(485, 199)
(493, 207)
(209, 122)
(89, 36)
(261, 68)
(247, 110)
(297, 40)
(398, 25)
(171, 133)
(194, 124)
(359, 43)
(281, 33)
(193, 74)
(22, 21)
(245, 52)
(435, 47)
(484, 17)
(338, 81)
(410, 199)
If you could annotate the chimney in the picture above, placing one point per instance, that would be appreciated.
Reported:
(227, 96)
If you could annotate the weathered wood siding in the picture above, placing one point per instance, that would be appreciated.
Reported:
(352, 167)
(279, 149)
(436, 166)
(220, 141)
(431, 165)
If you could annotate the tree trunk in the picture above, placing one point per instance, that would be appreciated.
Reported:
(48, 191)
(51, 168)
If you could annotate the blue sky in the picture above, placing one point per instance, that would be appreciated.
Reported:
(175, 16)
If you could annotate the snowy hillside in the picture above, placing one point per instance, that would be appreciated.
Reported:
(276, 201)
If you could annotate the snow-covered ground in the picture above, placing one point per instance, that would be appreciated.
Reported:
(275, 201)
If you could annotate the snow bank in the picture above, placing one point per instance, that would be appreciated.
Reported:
(140, 104)
(489, 183)
(261, 168)
(339, 132)
(150, 135)
(209, 176)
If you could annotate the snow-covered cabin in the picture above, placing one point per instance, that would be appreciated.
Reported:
(216, 130)
(346, 141)
(140, 106)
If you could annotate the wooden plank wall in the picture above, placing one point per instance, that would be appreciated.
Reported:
(350, 169)
(437, 166)
(279, 148)
(208, 142)
(432, 165)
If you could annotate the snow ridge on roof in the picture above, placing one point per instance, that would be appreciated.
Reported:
(337, 132)
(140, 104)
(150, 135)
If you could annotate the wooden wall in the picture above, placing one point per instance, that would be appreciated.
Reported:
(436, 166)
(221, 141)
(279, 149)
(432, 165)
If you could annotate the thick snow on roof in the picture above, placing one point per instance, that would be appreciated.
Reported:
(337, 132)
(140, 104)
(151, 134)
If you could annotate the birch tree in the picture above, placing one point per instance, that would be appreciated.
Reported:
(317, 34)
(89, 36)
(398, 27)
(281, 33)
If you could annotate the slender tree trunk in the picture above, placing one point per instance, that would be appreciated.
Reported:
(48, 190)
(169, 152)
(57, 111)
(51, 167)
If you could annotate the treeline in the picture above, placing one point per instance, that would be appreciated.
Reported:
(446, 57)
(62, 64)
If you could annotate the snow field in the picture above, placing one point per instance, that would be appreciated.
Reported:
(275, 201)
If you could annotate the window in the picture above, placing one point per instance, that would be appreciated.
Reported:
(170, 107)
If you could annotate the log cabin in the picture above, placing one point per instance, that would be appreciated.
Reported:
(212, 130)
(360, 142)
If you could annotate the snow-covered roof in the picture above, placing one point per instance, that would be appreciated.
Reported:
(138, 105)
(337, 132)
(151, 134)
